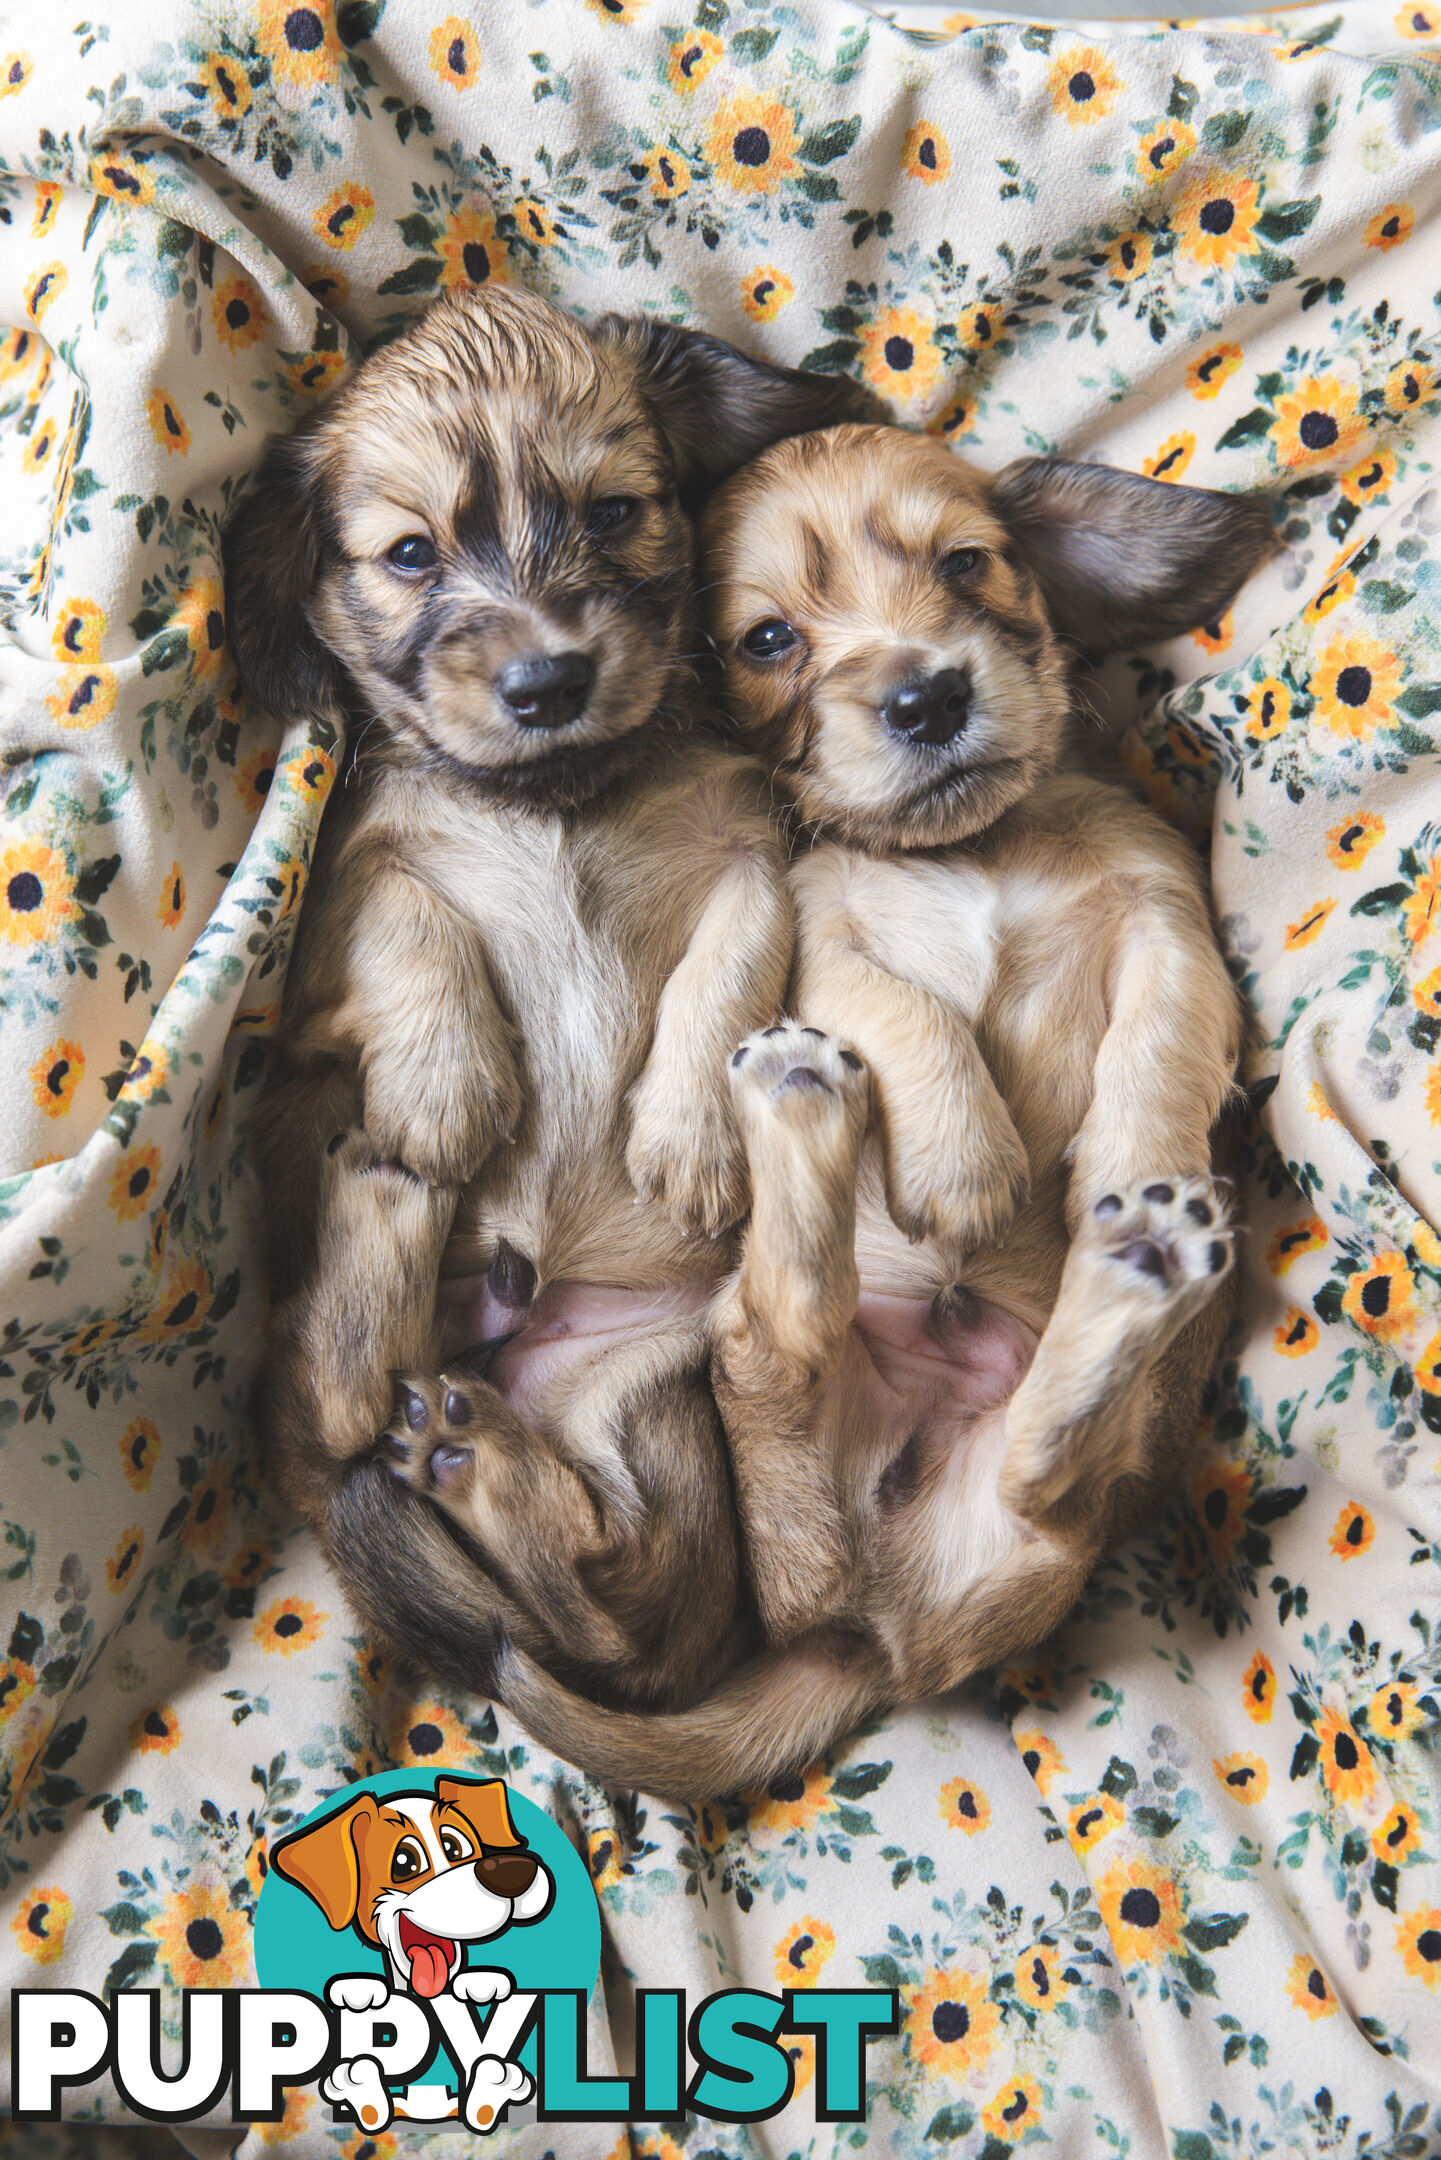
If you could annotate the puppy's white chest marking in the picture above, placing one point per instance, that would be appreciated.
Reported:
(938, 924)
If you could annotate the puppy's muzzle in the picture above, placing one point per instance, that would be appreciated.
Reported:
(930, 709)
(546, 690)
(506, 1874)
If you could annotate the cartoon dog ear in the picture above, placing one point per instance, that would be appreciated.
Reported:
(1124, 560)
(324, 1862)
(483, 1803)
(718, 406)
(273, 551)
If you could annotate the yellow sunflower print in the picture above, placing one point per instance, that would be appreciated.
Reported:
(84, 696)
(17, 1684)
(1091, 1820)
(1040, 1978)
(1419, 19)
(1222, 1494)
(1084, 86)
(765, 292)
(1269, 706)
(1207, 373)
(803, 1953)
(1041, 1757)
(1297, 1335)
(344, 215)
(37, 450)
(1394, 1712)
(37, 893)
(1339, 588)
(124, 179)
(603, 1858)
(1245, 1777)
(124, 1563)
(752, 142)
(44, 286)
(470, 253)
(691, 60)
(534, 223)
(1258, 1689)
(950, 2023)
(289, 1625)
(1418, 1938)
(1370, 481)
(1171, 460)
(1215, 218)
(1391, 226)
(172, 898)
(1215, 637)
(1129, 258)
(1418, 913)
(1409, 384)
(238, 313)
(140, 1447)
(1379, 1298)
(135, 1182)
(1349, 843)
(1014, 2111)
(925, 153)
(1320, 419)
(1308, 926)
(16, 70)
(1164, 147)
(978, 326)
(1346, 1765)
(227, 86)
(667, 171)
(1427, 993)
(299, 39)
(156, 1731)
(167, 423)
(426, 1732)
(88, 1339)
(1398, 1836)
(40, 1924)
(793, 1802)
(1354, 1531)
(964, 1806)
(183, 1304)
(204, 1942)
(78, 633)
(899, 354)
(1142, 1909)
(455, 53)
(1356, 685)
(1309, 1989)
(55, 1076)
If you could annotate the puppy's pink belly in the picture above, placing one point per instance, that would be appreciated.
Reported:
(567, 1325)
(964, 1359)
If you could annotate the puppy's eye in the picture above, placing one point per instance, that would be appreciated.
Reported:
(608, 514)
(960, 563)
(769, 639)
(407, 1861)
(415, 552)
(455, 1845)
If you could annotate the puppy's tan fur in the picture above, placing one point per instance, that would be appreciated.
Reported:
(983, 1279)
(526, 954)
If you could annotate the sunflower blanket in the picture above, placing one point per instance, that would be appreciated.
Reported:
(1174, 1889)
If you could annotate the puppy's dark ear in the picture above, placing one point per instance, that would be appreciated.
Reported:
(1123, 560)
(717, 405)
(272, 558)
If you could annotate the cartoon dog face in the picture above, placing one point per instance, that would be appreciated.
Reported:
(418, 1874)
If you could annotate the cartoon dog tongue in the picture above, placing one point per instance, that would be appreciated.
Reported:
(429, 1957)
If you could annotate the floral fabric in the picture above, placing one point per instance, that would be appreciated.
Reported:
(1173, 1888)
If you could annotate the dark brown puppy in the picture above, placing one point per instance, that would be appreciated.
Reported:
(545, 905)
(984, 1275)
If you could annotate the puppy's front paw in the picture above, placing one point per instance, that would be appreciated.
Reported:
(482, 1984)
(805, 1079)
(491, 2088)
(433, 1433)
(1165, 1237)
(359, 2086)
(358, 1991)
(441, 1117)
(963, 1197)
(684, 1153)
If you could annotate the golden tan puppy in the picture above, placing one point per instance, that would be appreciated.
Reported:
(978, 1296)
(546, 903)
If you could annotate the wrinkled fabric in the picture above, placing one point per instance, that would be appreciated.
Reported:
(1170, 1888)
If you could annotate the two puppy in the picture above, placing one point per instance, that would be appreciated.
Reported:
(541, 913)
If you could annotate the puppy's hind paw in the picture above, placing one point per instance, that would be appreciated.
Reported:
(430, 1441)
(799, 1075)
(1164, 1236)
(492, 2087)
(359, 2087)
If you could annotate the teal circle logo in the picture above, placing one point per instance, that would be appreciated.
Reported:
(428, 1902)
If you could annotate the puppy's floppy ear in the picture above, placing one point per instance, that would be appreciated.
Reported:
(1124, 560)
(716, 405)
(324, 1863)
(273, 549)
(482, 1802)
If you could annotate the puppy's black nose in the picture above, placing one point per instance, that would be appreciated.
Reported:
(930, 708)
(507, 1873)
(547, 690)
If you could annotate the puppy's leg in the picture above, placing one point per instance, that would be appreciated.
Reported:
(1145, 1262)
(368, 1307)
(436, 1052)
(782, 1326)
(955, 1166)
(1168, 1057)
(684, 1150)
